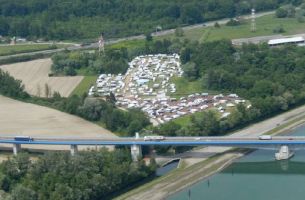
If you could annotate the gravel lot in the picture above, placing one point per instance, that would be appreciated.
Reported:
(34, 75)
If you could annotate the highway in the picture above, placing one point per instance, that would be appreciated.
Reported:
(227, 141)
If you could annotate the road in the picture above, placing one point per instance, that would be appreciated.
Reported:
(113, 41)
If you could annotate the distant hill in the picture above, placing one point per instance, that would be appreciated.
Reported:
(83, 19)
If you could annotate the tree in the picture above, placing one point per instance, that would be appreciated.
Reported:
(148, 37)
(279, 29)
(23, 193)
(216, 25)
(47, 90)
(190, 71)
(281, 13)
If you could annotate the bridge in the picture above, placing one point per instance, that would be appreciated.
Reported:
(283, 143)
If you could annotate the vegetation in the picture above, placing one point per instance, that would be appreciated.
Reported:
(113, 61)
(272, 79)
(21, 58)
(115, 18)
(265, 25)
(59, 176)
(11, 87)
(84, 86)
(24, 48)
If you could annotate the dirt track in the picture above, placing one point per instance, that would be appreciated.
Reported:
(18, 118)
(34, 75)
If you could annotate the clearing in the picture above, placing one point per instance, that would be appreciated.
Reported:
(34, 75)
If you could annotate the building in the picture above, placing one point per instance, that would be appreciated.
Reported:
(281, 41)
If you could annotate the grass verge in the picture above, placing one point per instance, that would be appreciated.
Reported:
(84, 85)
(26, 48)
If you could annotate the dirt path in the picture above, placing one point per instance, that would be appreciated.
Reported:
(34, 75)
(164, 188)
(19, 118)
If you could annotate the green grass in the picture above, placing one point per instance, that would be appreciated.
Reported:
(129, 44)
(265, 26)
(24, 48)
(185, 87)
(84, 85)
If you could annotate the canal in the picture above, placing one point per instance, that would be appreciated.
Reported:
(256, 176)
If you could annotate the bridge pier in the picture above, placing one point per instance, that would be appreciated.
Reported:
(136, 150)
(73, 149)
(16, 148)
(284, 153)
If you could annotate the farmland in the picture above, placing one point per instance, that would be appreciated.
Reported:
(33, 120)
(34, 75)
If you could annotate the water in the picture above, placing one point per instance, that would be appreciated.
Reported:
(167, 168)
(256, 176)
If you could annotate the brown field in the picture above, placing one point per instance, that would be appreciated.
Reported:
(19, 118)
(34, 75)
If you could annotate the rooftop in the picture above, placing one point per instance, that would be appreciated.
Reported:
(286, 40)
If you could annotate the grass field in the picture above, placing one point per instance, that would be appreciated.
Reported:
(84, 85)
(185, 87)
(129, 44)
(264, 25)
(25, 48)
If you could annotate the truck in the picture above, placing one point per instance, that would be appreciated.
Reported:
(265, 137)
(23, 138)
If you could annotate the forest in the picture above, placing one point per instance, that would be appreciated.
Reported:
(79, 19)
(89, 175)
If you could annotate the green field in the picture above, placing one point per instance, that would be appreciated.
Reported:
(25, 48)
(185, 87)
(264, 25)
(129, 44)
(84, 85)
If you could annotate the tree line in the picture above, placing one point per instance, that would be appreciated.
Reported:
(89, 175)
(78, 19)
(112, 61)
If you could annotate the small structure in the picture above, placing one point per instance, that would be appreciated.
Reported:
(284, 153)
(281, 41)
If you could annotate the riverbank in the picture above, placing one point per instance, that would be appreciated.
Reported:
(208, 161)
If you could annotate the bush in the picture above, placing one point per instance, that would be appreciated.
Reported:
(233, 22)
(281, 13)
(279, 29)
